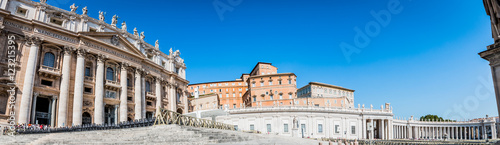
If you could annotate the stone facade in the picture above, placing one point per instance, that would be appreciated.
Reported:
(72, 69)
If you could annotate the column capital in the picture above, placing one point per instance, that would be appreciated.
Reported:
(54, 97)
(101, 58)
(68, 50)
(80, 52)
(124, 65)
(33, 40)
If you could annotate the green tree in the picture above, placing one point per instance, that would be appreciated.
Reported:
(433, 118)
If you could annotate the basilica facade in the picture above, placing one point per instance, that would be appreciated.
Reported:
(61, 68)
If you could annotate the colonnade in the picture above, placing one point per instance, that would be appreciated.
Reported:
(450, 131)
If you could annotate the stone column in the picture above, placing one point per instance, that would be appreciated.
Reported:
(372, 132)
(53, 111)
(173, 98)
(116, 114)
(123, 94)
(493, 131)
(138, 94)
(364, 129)
(33, 108)
(99, 90)
(382, 129)
(64, 89)
(158, 95)
(29, 77)
(143, 95)
(78, 96)
(185, 101)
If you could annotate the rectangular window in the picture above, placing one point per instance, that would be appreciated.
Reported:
(87, 90)
(236, 127)
(262, 84)
(87, 71)
(251, 127)
(149, 103)
(289, 96)
(320, 128)
(337, 129)
(271, 97)
(46, 83)
(21, 11)
(227, 95)
(353, 129)
(232, 84)
(240, 94)
(271, 83)
(268, 127)
(234, 105)
(110, 94)
(129, 98)
(289, 81)
(281, 96)
(279, 82)
(254, 99)
(253, 84)
(234, 95)
(285, 127)
(239, 83)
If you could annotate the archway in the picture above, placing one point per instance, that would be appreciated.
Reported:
(86, 118)
(179, 110)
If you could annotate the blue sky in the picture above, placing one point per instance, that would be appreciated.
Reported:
(423, 62)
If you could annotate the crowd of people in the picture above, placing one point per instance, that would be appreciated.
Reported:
(39, 128)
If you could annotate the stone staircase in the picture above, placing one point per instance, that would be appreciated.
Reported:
(164, 134)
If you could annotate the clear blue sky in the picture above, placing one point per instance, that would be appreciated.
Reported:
(423, 62)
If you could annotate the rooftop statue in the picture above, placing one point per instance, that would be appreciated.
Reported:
(73, 8)
(492, 8)
(43, 1)
(114, 20)
(101, 16)
(170, 51)
(84, 10)
(142, 35)
(124, 26)
(135, 32)
(157, 44)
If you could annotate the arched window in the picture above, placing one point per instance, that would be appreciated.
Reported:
(110, 74)
(148, 86)
(48, 59)
(86, 118)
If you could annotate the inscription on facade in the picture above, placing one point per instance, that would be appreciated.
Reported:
(64, 38)
(88, 44)
(16, 25)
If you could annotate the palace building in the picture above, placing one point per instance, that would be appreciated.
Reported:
(62, 67)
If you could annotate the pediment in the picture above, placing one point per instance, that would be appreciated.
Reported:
(115, 40)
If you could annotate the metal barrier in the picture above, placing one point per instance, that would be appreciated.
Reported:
(170, 117)
(409, 142)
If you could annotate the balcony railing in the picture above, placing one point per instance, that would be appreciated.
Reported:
(151, 94)
(130, 88)
(88, 78)
(48, 68)
(112, 82)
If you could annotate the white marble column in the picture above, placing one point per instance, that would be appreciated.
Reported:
(158, 94)
(185, 101)
(53, 111)
(33, 109)
(116, 114)
(123, 93)
(33, 43)
(78, 96)
(363, 127)
(99, 91)
(382, 129)
(372, 132)
(138, 94)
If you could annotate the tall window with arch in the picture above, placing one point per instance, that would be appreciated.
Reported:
(148, 86)
(49, 59)
(110, 74)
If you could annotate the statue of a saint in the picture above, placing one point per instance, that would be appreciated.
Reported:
(157, 44)
(101, 16)
(492, 8)
(142, 35)
(124, 26)
(135, 32)
(114, 20)
(43, 1)
(84, 10)
(73, 8)
(170, 51)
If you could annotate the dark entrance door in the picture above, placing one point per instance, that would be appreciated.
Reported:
(109, 114)
(42, 115)
(86, 118)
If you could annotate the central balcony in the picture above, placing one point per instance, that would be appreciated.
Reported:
(89, 79)
(49, 72)
(112, 85)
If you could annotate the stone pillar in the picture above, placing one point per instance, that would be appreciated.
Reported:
(78, 95)
(372, 132)
(158, 94)
(116, 114)
(185, 101)
(123, 93)
(33, 109)
(364, 129)
(99, 91)
(493, 131)
(64, 89)
(53, 111)
(382, 129)
(29, 77)
(173, 98)
(3, 4)
(138, 94)
(143, 96)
